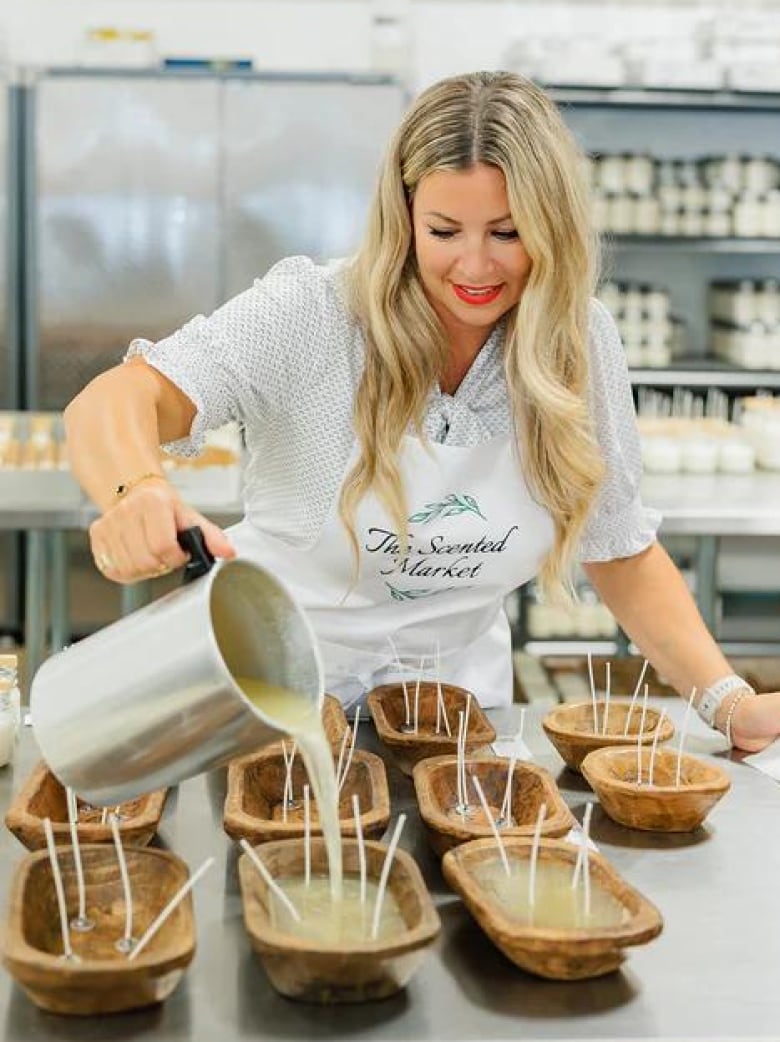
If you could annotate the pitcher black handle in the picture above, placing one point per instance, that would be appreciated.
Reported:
(201, 561)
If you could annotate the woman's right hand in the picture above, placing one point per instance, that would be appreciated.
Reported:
(136, 537)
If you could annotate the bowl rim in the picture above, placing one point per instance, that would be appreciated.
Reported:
(719, 784)
(552, 725)
(644, 924)
(434, 817)
(482, 733)
(18, 952)
(275, 941)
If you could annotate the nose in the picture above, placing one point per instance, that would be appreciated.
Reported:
(476, 263)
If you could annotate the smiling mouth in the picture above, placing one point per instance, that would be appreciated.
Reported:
(476, 294)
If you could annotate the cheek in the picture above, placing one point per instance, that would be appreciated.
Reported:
(431, 259)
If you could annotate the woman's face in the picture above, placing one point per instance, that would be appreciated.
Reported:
(472, 262)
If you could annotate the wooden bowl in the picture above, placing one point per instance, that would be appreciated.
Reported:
(612, 773)
(327, 974)
(570, 729)
(253, 806)
(43, 796)
(102, 981)
(334, 720)
(435, 781)
(387, 708)
(560, 954)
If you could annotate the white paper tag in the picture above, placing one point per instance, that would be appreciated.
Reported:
(513, 747)
(768, 760)
(575, 836)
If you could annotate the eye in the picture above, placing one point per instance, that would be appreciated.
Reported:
(506, 236)
(441, 233)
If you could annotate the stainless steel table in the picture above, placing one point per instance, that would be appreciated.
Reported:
(711, 975)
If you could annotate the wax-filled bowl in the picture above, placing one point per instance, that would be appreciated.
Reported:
(101, 980)
(44, 796)
(559, 953)
(254, 805)
(436, 785)
(388, 709)
(338, 972)
(663, 806)
(571, 729)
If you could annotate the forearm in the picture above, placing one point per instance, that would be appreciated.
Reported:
(649, 598)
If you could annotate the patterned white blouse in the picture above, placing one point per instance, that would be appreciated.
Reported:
(284, 360)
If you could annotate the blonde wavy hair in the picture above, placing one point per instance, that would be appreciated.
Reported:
(504, 120)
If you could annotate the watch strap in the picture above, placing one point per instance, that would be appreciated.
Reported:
(713, 696)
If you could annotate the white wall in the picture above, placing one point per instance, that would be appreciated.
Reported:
(449, 35)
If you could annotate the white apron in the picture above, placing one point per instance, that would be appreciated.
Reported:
(475, 534)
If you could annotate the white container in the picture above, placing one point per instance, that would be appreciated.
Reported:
(661, 455)
(9, 680)
(621, 214)
(7, 727)
(736, 456)
(748, 216)
(647, 215)
(639, 171)
(612, 174)
(699, 455)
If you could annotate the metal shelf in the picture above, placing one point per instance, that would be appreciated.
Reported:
(690, 244)
(705, 372)
(665, 98)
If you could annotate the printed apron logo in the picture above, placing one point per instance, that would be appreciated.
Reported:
(432, 556)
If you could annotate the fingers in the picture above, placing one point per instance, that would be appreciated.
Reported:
(136, 538)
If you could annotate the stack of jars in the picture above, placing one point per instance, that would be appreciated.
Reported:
(643, 316)
(745, 317)
(721, 196)
(760, 420)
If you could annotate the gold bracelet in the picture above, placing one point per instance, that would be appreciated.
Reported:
(744, 693)
(127, 486)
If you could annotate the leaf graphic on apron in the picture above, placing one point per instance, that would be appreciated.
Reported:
(450, 506)
(413, 595)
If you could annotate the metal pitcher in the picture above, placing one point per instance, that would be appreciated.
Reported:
(152, 699)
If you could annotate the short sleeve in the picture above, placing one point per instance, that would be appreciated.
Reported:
(252, 354)
(619, 524)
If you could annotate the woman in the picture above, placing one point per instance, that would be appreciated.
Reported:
(430, 425)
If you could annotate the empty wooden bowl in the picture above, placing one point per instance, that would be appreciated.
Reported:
(254, 802)
(560, 954)
(570, 728)
(664, 806)
(338, 973)
(435, 782)
(43, 796)
(389, 712)
(102, 980)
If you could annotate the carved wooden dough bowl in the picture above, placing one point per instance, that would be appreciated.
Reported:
(389, 712)
(334, 720)
(43, 795)
(253, 805)
(313, 972)
(555, 953)
(435, 782)
(103, 981)
(570, 729)
(612, 774)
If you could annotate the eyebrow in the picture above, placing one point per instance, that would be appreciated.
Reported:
(451, 220)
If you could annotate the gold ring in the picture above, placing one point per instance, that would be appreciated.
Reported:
(164, 569)
(104, 562)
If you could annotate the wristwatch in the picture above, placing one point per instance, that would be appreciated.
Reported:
(713, 696)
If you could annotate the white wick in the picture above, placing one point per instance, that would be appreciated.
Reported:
(640, 736)
(655, 745)
(682, 737)
(592, 683)
(407, 712)
(583, 843)
(493, 826)
(360, 845)
(417, 695)
(74, 841)
(607, 694)
(348, 763)
(380, 894)
(270, 882)
(634, 697)
(306, 836)
(59, 889)
(503, 814)
(128, 934)
(176, 900)
(287, 792)
(586, 860)
(535, 856)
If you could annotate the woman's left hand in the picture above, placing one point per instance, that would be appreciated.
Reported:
(756, 722)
